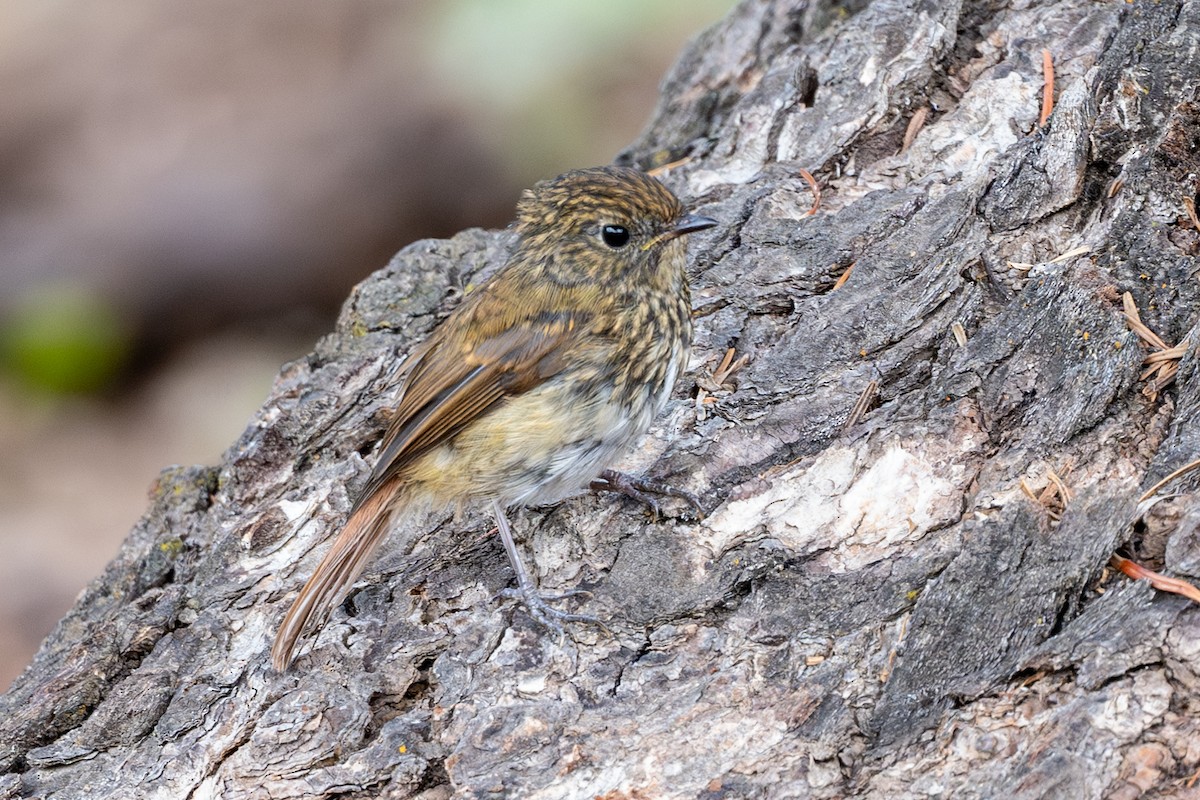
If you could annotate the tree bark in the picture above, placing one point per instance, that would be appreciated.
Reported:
(896, 603)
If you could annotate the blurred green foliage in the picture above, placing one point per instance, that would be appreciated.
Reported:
(63, 340)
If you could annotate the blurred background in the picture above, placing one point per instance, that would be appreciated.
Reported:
(189, 190)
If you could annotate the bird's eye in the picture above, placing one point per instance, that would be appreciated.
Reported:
(615, 236)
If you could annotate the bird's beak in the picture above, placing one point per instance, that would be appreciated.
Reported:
(689, 224)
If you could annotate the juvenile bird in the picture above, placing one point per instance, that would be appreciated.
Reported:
(537, 381)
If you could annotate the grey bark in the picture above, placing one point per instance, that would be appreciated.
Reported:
(872, 610)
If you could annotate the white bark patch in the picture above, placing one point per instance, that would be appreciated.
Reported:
(859, 511)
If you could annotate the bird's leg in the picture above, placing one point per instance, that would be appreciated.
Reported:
(526, 591)
(640, 489)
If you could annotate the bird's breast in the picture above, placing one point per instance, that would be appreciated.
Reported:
(549, 442)
(651, 352)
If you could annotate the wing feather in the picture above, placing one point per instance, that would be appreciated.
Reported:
(450, 386)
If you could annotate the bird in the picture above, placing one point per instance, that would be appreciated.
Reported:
(536, 382)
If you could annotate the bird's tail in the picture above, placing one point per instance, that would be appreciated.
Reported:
(361, 535)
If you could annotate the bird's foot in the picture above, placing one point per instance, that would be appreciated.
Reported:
(641, 489)
(540, 609)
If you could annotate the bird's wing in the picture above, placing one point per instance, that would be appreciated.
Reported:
(454, 381)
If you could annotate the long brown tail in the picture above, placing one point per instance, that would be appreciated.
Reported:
(335, 574)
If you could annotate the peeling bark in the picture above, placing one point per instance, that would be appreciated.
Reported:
(877, 610)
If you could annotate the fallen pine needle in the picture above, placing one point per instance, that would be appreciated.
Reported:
(891, 662)
(1134, 320)
(1153, 490)
(1063, 491)
(1047, 87)
(845, 276)
(816, 190)
(1170, 354)
(728, 366)
(960, 333)
(914, 127)
(1053, 499)
(661, 168)
(1163, 361)
(1074, 251)
(1058, 259)
(1160, 582)
(717, 382)
(861, 406)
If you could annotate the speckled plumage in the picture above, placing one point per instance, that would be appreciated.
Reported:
(540, 378)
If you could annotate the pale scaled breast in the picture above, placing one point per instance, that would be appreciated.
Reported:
(594, 434)
(675, 367)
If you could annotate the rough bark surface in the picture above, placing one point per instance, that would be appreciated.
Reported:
(867, 610)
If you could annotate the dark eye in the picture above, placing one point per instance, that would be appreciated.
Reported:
(615, 236)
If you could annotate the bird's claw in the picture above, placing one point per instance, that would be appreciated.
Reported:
(641, 489)
(539, 608)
